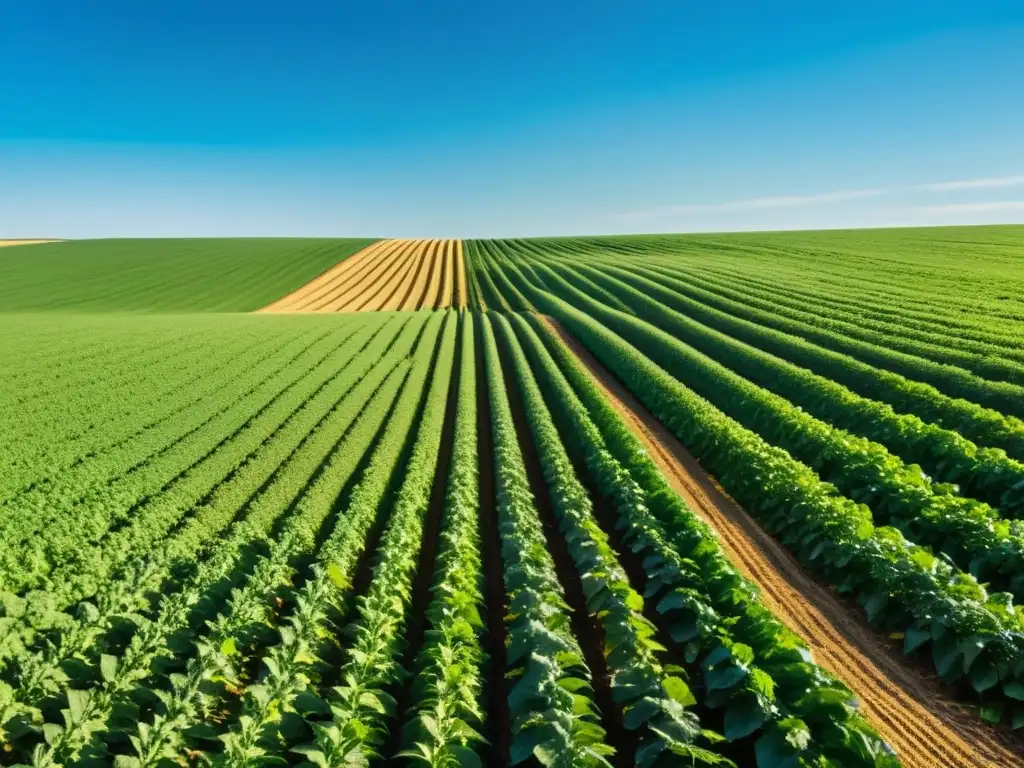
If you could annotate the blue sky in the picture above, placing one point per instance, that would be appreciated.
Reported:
(482, 118)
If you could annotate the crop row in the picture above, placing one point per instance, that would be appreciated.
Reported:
(987, 354)
(970, 532)
(984, 426)
(191, 695)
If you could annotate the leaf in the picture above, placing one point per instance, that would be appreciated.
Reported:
(335, 574)
(527, 740)
(743, 717)
(108, 667)
(313, 754)
(228, 647)
(1014, 689)
(993, 713)
(916, 636)
(77, 701)
(984, 675)
(678, 690)
(466, 757)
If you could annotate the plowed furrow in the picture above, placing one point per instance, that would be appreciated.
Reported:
(374, 297)
(430, 296)
(344, 279)
(385, 299)
(297, 300)
(401, 291)
(360, 280)
(411, 300)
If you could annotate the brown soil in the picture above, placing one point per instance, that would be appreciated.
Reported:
(907, 707)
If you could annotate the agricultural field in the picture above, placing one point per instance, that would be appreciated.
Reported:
(745, 499)
(175, 275)
(392, 275)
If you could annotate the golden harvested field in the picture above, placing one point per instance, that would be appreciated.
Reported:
(23, 242)
(389, 275)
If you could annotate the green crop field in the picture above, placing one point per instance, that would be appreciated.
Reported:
(180, 275)
(705, 500)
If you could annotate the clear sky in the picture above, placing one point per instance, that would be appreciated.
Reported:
(486, 118)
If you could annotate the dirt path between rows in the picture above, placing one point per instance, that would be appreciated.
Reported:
(908, 708)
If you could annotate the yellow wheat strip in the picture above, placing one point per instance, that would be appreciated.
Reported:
(329, 300)
(414, 295)
(433, 279)
(5, 243)
(367, 280)
(301, 296)
(394, 301)
(377, 295)
(448, 279)
(460, 266)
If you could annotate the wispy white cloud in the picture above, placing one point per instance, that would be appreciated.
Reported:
(760, 203)
(827, 198)
(981, 207)
(992, 183)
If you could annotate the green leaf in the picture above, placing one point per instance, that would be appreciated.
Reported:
(1014, 689)
(335, 574)
(916, 636)
(743, 717)
(678, 690)
(77, 701)
(108, 667)
(992, 713)
(466, 757)
(984, 675)
(228, 647)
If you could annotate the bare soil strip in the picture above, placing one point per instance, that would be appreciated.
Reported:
(374, 300)
(907, 707)
(411, 300)
(301, 296)
(447, 276)
(369, 283)
(386, 276)
(362, 280)
(399, 288)
(460, 266)
(430, 297)
(343, 281)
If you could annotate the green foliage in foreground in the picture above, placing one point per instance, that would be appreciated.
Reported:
(179, 275)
